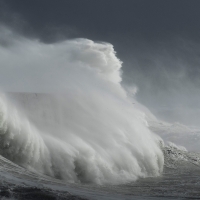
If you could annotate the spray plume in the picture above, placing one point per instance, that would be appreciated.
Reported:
(80, 126)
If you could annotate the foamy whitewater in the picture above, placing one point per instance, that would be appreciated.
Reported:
(64, 114)
(87, 129)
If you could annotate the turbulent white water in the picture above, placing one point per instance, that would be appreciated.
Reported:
(86, 129)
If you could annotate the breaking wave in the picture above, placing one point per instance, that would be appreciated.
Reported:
(75, 121)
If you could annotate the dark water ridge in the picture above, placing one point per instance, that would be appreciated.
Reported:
(35, 193)
(19, 183)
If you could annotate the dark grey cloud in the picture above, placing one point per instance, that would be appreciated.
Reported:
(144, 18)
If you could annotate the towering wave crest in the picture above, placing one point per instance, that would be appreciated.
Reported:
(80, 125)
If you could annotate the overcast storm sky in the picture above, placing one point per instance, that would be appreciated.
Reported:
(157, 40)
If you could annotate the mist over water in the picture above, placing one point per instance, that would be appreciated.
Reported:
(166, 71)
(77, 123)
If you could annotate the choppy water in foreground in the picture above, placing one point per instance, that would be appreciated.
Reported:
(180, 180)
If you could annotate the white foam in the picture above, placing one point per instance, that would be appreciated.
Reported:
(87, 129)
